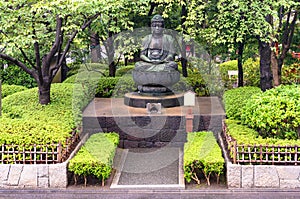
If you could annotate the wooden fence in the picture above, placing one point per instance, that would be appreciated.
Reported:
(38, 154)
(260, 154)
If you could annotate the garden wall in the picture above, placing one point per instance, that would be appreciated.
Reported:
(37, 175)
(33, 176)
(262, 176)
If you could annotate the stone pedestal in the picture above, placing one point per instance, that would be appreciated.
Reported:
(140, 101)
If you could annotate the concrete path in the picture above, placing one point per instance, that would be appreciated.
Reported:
(149, 168)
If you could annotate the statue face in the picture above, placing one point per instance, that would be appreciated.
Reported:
(157, 27)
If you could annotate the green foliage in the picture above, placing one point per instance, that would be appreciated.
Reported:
(251, 72)
(25, 121)
(248, 136)
(235, 99)
(291, 74)
(115, 86)
(274, 113)
(125, 85)
(14, 75)
(11, 89)
(96, 156)
(196, 81)
(202, 153)
(70, 79)
(224, 68)
(124, 70)
(106, 86)
(245, 136)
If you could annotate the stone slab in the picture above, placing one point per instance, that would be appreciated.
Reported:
(58, 175)
(28, 176)
(14, 174)
(248, 176)
(4, 171)
(233, 175)
(266, 177)
(289, 184)
(288, 172)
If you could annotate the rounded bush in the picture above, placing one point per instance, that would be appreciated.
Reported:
(274, 113)
(235, 99)
(11, 89)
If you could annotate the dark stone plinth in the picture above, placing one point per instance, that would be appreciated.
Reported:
(136, 100)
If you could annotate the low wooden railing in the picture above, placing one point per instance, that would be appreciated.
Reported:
(260, 154)
(38, 154)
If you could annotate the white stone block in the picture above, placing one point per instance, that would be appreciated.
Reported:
(233, 175)
(28, 176)
(247, 176)
(14, 174)
(266, 176)
(189, 98)
(58, 175)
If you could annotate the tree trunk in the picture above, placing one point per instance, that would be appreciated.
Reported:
(183, 48)
(275, 68)
(266, 76)
(44, 93)
(110, 55)
(240, 65)
(95, 48)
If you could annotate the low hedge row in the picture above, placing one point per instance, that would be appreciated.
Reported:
(235, 99)
(25, 121)
(7, 90)
(95, 157)
(202, 154)
(248, 136)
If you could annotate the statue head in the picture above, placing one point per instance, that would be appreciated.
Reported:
(157, 24)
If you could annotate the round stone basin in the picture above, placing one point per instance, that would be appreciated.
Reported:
(163, 78)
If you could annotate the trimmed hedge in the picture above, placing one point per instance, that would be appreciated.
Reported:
(247, 136)
(235, 99)
(95, 157)
(11, 89)
(25, 121)
(124, 70)
(274, 113)
(202, 154)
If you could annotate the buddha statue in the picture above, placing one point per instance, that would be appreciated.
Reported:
(157, 52)
(157, 70)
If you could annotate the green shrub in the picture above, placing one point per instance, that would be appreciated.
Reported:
(247, 136)
(226, 66)
(25, 121)
(106, 86)
(251, 72)
(14, 75)
(198, 84)
(291, 74)
(235, 99)
(274, 113)
(70, 79)
(250, 68)
(124, 85)
(202, 153)
(95, 157)
(11, 89)
(124, 70)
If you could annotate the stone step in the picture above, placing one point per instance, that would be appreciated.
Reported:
(149, 168)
